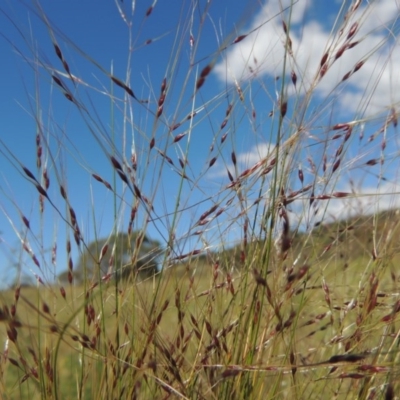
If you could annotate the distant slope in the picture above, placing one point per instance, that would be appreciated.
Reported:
(356, 238)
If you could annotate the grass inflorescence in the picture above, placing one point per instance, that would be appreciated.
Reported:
(227, 228)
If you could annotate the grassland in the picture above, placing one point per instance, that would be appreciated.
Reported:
(278, 278)
(326, 326)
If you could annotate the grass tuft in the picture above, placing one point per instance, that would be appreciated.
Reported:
(228, 234)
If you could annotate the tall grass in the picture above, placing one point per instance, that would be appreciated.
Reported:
(253, 298)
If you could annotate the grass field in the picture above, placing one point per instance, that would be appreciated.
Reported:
(326, 327)
(267, 199)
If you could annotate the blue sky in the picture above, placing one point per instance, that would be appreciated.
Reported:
(119, 39)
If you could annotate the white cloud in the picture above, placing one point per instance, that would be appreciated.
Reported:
(366, 200)
(371, 88)
(246, 159)
(255, 154)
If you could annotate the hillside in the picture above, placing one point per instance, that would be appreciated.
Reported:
(346, 241)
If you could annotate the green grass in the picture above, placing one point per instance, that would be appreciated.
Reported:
(188, 354)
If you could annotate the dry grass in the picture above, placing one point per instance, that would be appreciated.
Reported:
(274, 316)
(311, 339)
